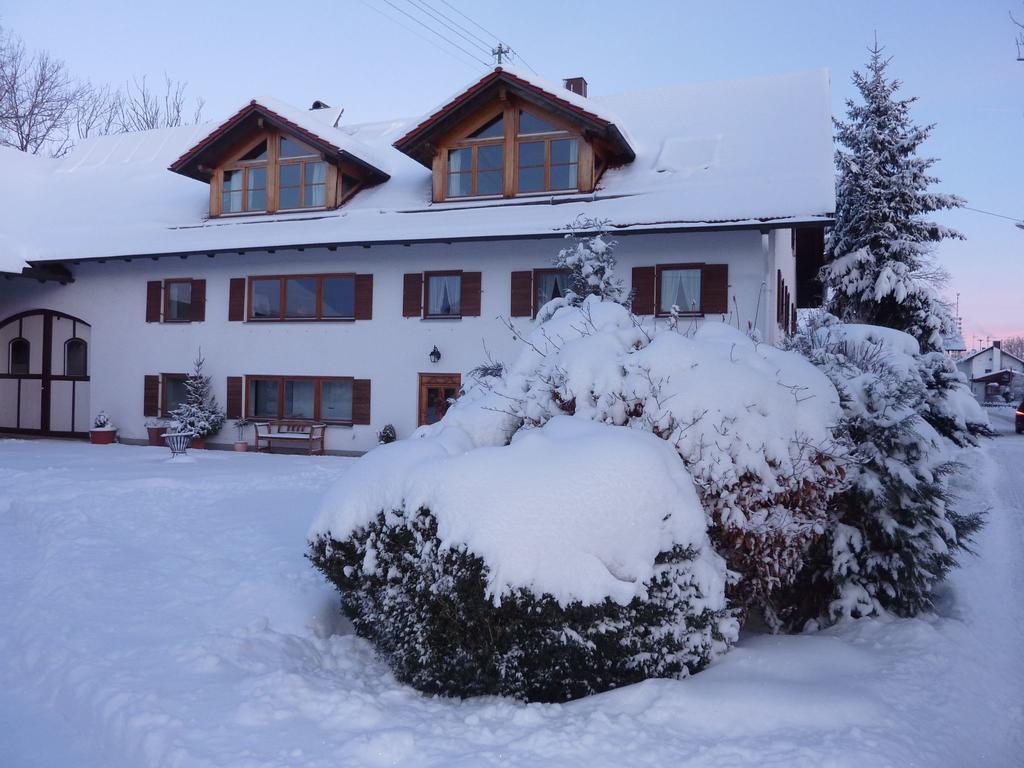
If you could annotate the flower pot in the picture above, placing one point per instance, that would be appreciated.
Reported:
(198, 442)
(241, 446)
(156, 435)
(102, 436)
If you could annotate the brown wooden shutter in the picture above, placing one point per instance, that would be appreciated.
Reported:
(364, 297)
(360, 401)
(643, 290)
(412, 295)
(779, 306)
(234, 398)
(714, 289)
(198, 306)
(522, 294)
(151, 396)
(154, 295)
(470, 294)
(236, 299)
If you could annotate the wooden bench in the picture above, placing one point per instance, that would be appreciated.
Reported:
(295, 434)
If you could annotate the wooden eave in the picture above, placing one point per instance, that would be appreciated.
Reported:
(198, 161)
(419, 143)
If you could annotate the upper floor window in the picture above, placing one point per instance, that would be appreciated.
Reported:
(76, 361)
(299, 171)
(548, 157)
(477, 168)
(177, 301)
(444, 294)
(545, 157)
(302, 297)
(19, 356)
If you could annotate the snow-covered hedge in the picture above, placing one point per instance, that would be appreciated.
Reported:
(896, 532)
(573, 560)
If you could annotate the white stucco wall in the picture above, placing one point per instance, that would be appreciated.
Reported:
(389, 350)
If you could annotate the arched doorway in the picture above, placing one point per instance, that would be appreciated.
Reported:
(44, 374)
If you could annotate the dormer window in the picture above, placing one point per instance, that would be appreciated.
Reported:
(549, 157)
(476, 164)
(267, 159)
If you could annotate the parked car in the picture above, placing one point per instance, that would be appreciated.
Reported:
(1019, 423)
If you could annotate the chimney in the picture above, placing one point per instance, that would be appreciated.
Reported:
(997, 355)
(320, 105)
(997, 344)
(577, 85)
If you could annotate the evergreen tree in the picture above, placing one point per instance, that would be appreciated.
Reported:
(590, 260)
(878, 268)
(199, 415)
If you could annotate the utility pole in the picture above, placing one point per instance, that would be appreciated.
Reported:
(499, 52)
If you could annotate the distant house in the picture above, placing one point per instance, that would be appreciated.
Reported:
(992, 371)
(352, 274)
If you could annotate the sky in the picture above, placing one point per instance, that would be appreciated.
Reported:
(366, 55)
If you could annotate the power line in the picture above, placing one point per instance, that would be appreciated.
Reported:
(489, 34)
(412, 31)
(1014, 219)
(440, 17)
(434, 31)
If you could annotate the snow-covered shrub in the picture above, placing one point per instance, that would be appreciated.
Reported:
(896, 532)
(199, 415)
(102, 421)
(949, 405)
(387, 434)
(751, 423)
(570, 561)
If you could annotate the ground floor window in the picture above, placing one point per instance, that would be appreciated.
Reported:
(549, 284)
(174, 391)
(303, 398)
(679, 287)
(19, 354)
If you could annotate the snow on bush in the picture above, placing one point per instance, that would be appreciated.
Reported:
(199, 415)
(750, 422)
(896, 533)
(572, 560)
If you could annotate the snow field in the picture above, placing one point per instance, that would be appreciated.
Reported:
(160, 614)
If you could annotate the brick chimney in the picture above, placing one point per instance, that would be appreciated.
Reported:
(577, 85)
(997, 355)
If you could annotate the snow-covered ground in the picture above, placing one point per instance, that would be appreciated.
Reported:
(162, 614)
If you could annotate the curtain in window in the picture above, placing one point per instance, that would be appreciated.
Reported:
(680, 287)
(551, 285)
(443, 296)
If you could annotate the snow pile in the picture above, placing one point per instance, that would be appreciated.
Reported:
(576, 510)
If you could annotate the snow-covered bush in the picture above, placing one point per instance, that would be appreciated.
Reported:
(896, 532)
(570, 561)
(199, 415)
(751, 423)
(102, 421)
(387, 434)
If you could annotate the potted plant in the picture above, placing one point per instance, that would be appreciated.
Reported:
(103, 430)
(241, 444)
(199, 415)
(156, 429)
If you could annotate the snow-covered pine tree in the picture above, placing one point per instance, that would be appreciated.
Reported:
(199, 415)
(896, 532)
(878, 258)
(590, 259)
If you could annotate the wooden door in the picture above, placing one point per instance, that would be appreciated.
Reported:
(436, 392)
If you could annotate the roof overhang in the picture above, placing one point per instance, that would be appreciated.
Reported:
(419, 142)
(198, 162)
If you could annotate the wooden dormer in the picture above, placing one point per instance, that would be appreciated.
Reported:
(508, 137)
(261, 161)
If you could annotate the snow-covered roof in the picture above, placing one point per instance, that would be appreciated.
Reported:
(748, 152)
(1002, 351)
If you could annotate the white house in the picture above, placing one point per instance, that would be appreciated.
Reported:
(318, 264)
(992, 371)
